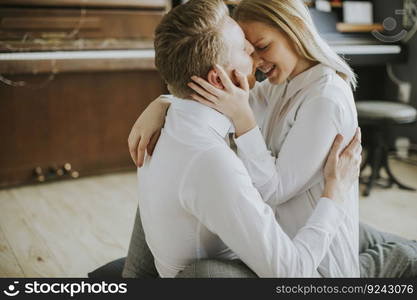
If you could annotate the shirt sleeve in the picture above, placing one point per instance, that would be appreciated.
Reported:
(218, 191)
(302, 155)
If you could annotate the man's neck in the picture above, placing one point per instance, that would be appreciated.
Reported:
(204, 115)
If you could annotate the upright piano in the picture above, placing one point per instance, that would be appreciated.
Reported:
(358, 48)
(74, 75)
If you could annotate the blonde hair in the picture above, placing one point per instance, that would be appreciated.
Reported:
(293, 18)
(188, 42)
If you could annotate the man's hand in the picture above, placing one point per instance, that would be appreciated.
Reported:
(342, 167)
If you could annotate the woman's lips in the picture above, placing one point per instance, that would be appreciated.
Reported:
(270, 72)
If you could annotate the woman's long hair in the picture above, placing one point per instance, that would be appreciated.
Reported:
(293, 18)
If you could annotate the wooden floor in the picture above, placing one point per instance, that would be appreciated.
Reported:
(69, 228)
(65, 229)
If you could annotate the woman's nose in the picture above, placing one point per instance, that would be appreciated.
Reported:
(257, 60)
(249, 48)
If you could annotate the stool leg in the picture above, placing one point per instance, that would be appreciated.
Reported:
(391, 176)
(367, 160)
(365, 163)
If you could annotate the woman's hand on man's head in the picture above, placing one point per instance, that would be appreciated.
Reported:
(232, 100)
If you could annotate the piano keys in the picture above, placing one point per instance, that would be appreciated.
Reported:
(363, 55)
(359, 49)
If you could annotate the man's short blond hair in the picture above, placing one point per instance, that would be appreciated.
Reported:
(188, 42)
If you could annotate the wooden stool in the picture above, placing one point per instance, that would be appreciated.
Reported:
(378, 117)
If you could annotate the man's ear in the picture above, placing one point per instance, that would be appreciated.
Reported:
(214, 79)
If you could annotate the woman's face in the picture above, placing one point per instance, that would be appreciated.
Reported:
(274, 53)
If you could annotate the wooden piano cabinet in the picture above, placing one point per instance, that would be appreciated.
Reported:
(79, 118)
(76, 23)
(149, 4)
(74, 76)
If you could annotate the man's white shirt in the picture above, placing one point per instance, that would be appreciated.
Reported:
(197, 201)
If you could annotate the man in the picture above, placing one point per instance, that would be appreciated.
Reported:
(195, 195)
(196, 198)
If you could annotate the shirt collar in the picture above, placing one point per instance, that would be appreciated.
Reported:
(205, 115)
(306, 78)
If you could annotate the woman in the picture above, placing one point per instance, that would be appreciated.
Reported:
(305, 102)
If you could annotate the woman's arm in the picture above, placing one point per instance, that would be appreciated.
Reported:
(235, 212)
(147, 128)
(302, 154)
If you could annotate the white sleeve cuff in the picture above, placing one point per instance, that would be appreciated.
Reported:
(251, 143)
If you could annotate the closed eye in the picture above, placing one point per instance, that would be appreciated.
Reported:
(262, 48)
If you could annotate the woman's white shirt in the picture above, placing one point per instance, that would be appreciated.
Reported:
(298, 121)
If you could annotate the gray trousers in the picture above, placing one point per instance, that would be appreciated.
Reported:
(384, 254)
(380, 255)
